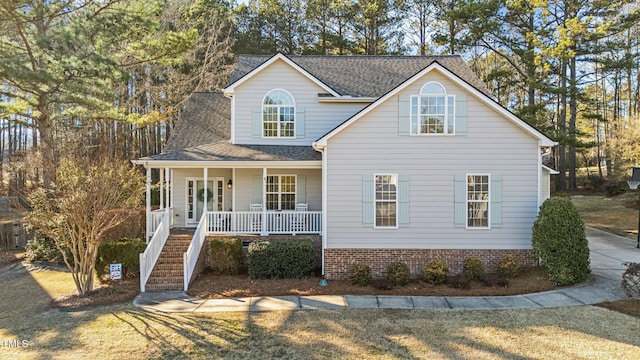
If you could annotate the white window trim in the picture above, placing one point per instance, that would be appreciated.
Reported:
(195, 179)
(295, 192)
(295, 120)
(467, 201)
(375, 201)
(446, 111)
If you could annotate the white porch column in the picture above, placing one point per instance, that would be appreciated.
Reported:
(233, 201)
(161, 189)
(148, 200)
(168, 183)
(264, 202)
(206, 200)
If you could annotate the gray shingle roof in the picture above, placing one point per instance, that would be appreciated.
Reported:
(363, 76)
(206, 119)
(225, 151)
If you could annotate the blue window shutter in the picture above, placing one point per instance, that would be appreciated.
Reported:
(257, 122)
(495, 193)
(461, 115)
(404, 115)
(301, 189)
(403, 201)
(460, 201)
(257, 190)
(300, 123)
(367, 200)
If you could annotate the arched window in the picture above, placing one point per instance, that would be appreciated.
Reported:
(432, 111)
(278, 114)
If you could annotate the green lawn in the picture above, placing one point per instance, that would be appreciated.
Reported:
(126, 332)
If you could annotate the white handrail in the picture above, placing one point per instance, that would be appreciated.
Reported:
(190, 257)
(151, 254)
(278, 222)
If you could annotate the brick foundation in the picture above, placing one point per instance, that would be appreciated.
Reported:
(340, 262)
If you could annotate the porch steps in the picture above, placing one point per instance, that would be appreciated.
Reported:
(168, 274)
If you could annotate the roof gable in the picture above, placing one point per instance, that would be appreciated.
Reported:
(363, 76)
(543, 139)
(246, 76)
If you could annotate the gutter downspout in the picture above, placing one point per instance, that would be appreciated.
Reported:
(324, 152)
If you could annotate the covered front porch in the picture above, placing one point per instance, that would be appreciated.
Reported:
(260, 201)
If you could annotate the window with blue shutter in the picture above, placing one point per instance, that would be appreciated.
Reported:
(367, 200)
(433, 112)
(477, 201)
(385, 201)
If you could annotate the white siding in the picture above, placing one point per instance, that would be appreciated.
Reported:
(319, 118)
(492, 145)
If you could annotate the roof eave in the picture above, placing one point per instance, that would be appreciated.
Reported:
(189, 164)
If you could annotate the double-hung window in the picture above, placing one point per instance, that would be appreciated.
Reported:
(432, 111)
(478, 196)
(386, 201)
(278, 115)
(281, 192)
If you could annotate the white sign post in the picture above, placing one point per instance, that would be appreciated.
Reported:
(115, 271)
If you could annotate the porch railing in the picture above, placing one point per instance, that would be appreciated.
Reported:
(151, 254)
(156, 218)
(275, 222)
(190, 257)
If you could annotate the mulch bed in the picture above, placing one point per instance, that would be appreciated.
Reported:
(105, 293)
(213, 286)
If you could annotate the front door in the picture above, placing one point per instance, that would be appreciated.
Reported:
(195, 198)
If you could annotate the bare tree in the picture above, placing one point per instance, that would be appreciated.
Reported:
(81, 206)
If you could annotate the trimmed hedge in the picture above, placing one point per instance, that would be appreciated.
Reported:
(473, 269)
(125, 252)
(281, 259)
(560, 242)
(435, 273)
(360, 275)
(398, 273)
(226, 255)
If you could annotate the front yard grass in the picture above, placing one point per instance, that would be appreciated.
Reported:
(617, 214)
(124, 331)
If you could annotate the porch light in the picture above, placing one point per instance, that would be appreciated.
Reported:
(633, 185)
(229, 184)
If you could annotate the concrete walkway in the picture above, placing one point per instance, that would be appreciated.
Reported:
(608, 253)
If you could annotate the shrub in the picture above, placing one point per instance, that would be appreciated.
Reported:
(560, 242)
(398, 273)
(631, 280)
(43, 248)
(226, 255)
(360, 275)
(435, 273)
(284, 259)
(125, 252)
(508, 267)
(459, 282)
(614, 187)
(473, 269)
(382, 284)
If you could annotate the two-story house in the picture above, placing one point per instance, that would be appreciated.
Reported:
(379, 158)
